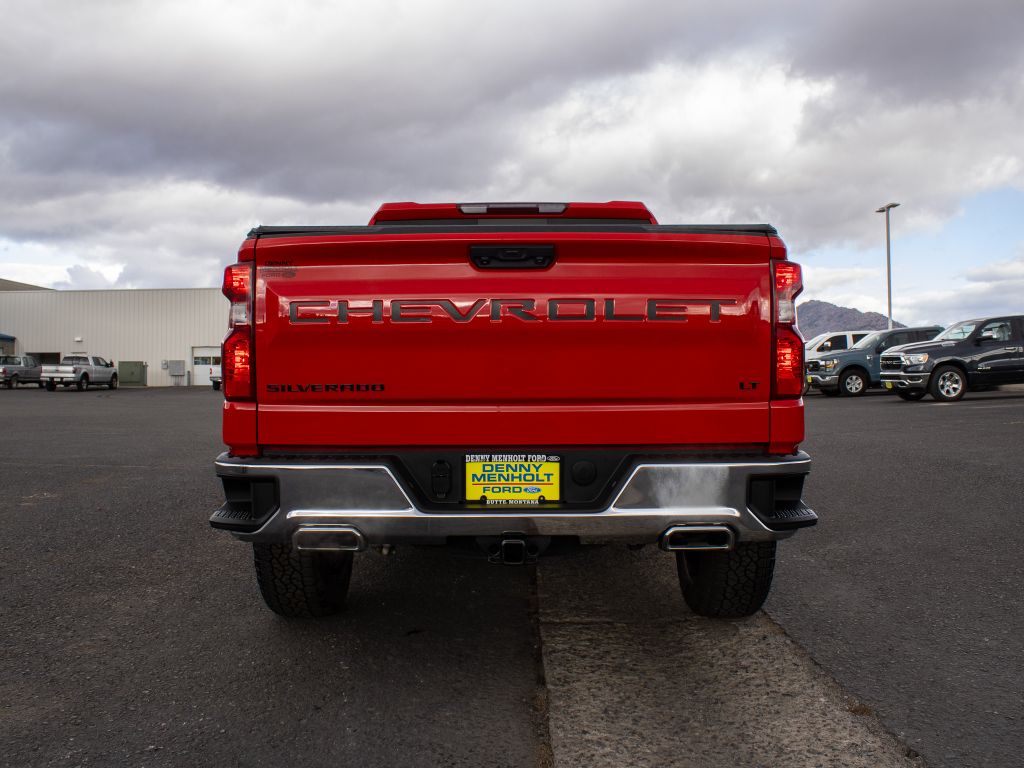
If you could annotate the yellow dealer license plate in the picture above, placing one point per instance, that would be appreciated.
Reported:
(888, 385)
(512, 478)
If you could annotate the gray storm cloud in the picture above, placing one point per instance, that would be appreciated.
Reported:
(147, 136)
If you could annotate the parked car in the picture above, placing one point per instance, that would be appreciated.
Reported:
(970, 354)
(854, 371)
(215, 376)
(826, 343)
(80, 371)
(832, 341)
(20, 369)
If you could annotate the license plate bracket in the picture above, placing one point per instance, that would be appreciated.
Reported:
(513, 479)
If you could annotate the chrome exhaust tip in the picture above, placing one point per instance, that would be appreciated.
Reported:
(328, 538)
(698, 538)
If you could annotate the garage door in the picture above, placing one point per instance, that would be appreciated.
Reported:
(205, 360)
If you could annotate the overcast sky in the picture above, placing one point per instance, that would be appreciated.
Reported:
(140, 140)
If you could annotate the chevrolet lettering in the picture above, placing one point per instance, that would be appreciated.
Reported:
(555, 310)
(511, 381)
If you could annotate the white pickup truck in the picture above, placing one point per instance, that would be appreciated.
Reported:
(80, 371)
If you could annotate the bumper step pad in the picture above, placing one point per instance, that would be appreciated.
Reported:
(232, 518)
(790, 514)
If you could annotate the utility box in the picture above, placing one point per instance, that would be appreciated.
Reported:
(176, 370)
(132, 373)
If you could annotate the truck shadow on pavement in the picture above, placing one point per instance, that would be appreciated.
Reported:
(433, 657)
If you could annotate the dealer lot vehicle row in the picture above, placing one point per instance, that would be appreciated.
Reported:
(852, 371)
(914, 362)
(78, 371)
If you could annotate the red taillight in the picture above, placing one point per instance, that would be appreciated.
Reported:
(789, 363)
(237, 281)
(789, 347)
(237, 350)
(788, 283)
(236, 365)
(237, 287)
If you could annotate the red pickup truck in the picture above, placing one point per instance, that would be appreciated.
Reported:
(511, 380)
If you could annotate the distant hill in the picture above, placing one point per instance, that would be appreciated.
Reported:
(820, 316)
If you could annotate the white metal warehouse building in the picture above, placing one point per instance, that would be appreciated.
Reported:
(166, 329)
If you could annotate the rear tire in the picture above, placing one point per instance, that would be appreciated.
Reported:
(113, 382)
(82, 383)
(853, 383)
(911, 396)
(216, 385)
(727, 585)
(948, 383)
(12, 383)
(300, 584)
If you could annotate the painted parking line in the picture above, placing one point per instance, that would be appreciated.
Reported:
(973, 407)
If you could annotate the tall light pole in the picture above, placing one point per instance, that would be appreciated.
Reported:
(888, 255)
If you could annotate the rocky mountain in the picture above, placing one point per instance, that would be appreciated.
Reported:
(820, 316)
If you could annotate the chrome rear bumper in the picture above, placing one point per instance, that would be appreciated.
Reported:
(369, 500)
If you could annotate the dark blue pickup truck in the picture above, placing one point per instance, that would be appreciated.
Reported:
(854, 370)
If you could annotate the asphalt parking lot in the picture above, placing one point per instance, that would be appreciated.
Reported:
(909, 591)
(133, 634)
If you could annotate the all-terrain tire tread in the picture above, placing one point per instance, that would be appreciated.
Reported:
(729, 584)
(301, 584)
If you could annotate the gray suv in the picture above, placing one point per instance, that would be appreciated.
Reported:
(853, 371)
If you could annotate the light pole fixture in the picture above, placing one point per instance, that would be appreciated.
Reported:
(888, 256)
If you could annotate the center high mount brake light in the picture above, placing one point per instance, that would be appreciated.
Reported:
(506, 209)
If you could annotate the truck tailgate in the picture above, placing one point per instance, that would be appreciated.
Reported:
(402, 340)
